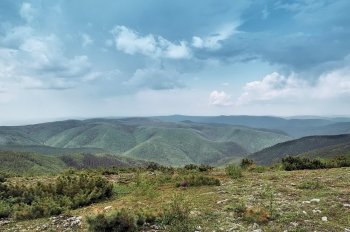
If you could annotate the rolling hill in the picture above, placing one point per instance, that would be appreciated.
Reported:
(29, 163)
(311, 146)
(168, 143)
(295, 127)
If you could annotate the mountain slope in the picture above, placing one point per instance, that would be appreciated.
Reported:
(295, 127)
(169, 143)
(28, 163)
(302, 146)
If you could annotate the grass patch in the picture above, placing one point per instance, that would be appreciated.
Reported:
(198, 180)
(234, 171)
(311, 185)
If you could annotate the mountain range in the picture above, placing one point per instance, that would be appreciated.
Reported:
(175, 140)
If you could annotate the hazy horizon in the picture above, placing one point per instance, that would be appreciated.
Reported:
(47, 120)
(87, 59)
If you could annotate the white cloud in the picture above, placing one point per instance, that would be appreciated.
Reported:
(277, 88)
(131, 42)
(220, 98)
(38, 61)
(86, 40)
(271, 87)
(27, 12)
(214, 40)
(333, 84)
(156, 79)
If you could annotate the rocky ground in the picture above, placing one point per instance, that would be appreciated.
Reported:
(310, 200)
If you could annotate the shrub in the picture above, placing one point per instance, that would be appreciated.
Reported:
(256, 214)
(299, 163)
(233, 171)
(339, 161)
(5, 209)
(238, 207)
(144, 187)
(119, 221)
(312, 185)
(245, 163)
(68, 191)
(176, 215)
(198, 180)
(200, 168)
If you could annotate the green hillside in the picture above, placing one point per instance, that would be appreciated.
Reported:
(316, 146)
(329, 152)
(295, 127)
(27, 163)
(168, 143)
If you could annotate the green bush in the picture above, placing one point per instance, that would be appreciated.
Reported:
(197, 180)
(68, 191)
(200, 168)
(119, 221)
(5, 209)
(339, 161)
(233, 171)
(176, 215)
(312, 185)
(245, 163)
(291, 163)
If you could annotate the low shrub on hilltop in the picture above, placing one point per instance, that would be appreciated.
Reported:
(68, 191)
(290, 163)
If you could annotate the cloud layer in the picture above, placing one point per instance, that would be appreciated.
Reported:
(276, 57)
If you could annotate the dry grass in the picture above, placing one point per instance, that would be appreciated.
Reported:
(272, 199)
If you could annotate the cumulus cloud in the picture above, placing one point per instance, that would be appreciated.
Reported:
(27, 12)
(131, 42)
(86, 40)
(271, 87)
(220, 98)
(214, 40)
(156, 79)
(38, 61)
(277, 88)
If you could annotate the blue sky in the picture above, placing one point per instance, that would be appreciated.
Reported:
(85, 58)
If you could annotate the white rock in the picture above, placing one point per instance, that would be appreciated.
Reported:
(346, 205)
(107, 207)
(316, 211)
(346, 230)
(223, 201)
(306, 202)
(304, 212)
(315, 200)
(324, 219)
(295, 224)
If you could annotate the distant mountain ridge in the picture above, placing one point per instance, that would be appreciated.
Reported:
(169, 143)
(311, 146)
(295, 127)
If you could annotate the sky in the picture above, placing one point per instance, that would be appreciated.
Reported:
(110, 58)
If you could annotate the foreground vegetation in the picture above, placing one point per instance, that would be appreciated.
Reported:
(238, 198)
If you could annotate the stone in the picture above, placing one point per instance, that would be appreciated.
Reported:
(222, 201)
(315, 200)
(325, 219)
(107, 207)
(295, 224)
